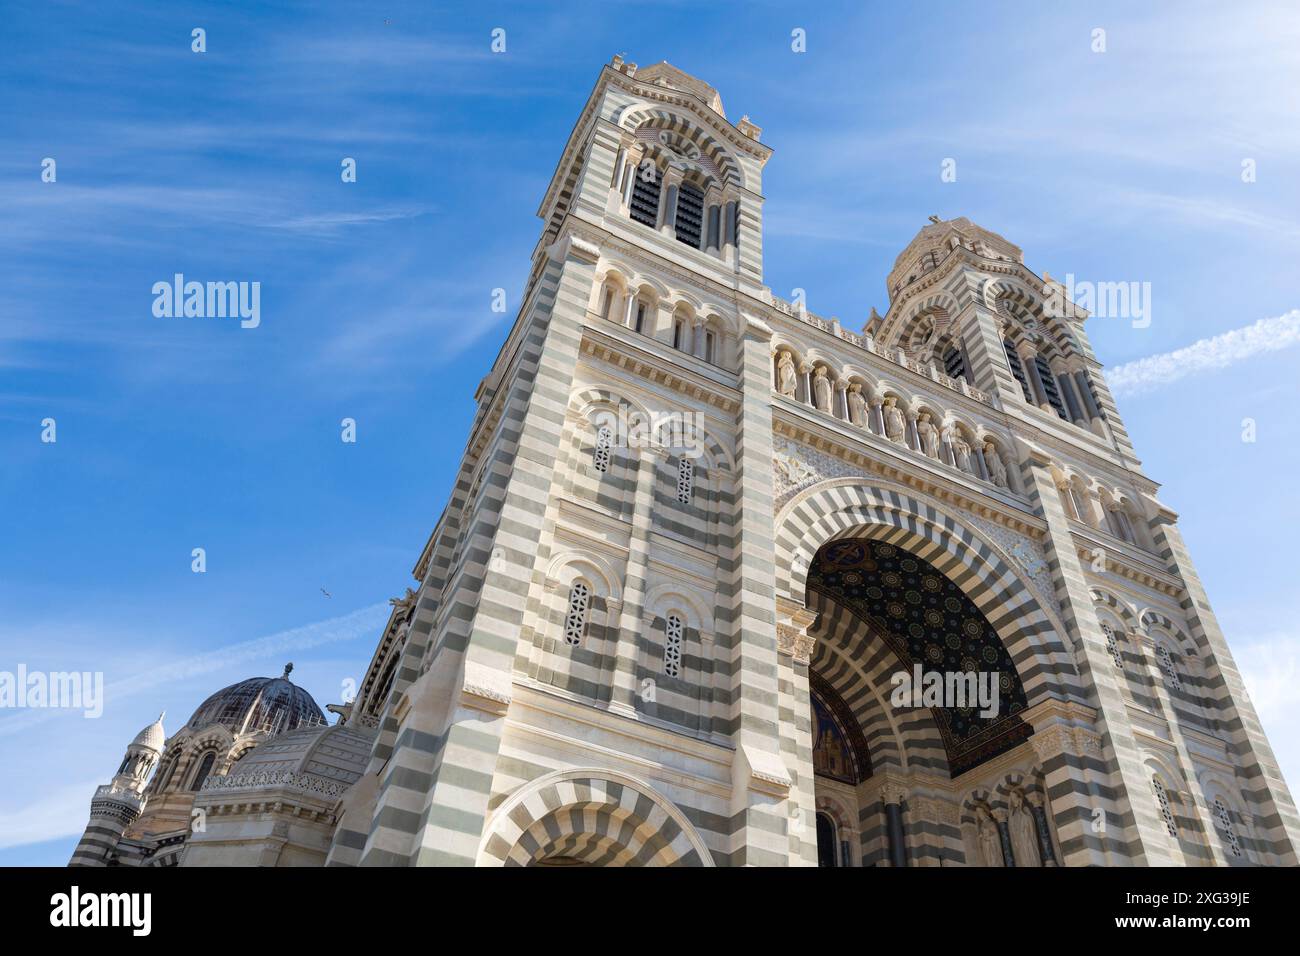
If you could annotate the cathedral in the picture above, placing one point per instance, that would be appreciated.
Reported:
(723, 582)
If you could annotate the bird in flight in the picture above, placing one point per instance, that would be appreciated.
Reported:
(326, 593)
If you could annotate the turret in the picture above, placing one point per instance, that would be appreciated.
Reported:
(117, 804)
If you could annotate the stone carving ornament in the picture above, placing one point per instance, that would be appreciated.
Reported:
(1024, 834)
(857, 405)
(990, 841)
(929, 435)
(997, 470)
(895, 426)
(822, 389)
(787, 377)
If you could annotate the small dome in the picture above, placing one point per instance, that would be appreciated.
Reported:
(152, 737)
(270, 704)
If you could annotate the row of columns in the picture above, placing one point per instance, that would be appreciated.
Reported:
(882, 417)
(721, 226)
(1087, 506)
(694, 337)
(1074, 388)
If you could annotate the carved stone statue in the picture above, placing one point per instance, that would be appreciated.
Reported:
(990, 841)
(822, 389)
(857, 405)
(895, 424)
(961, 455)
(787, 377)
(928, 434)
(1024, 834)
(997, 470)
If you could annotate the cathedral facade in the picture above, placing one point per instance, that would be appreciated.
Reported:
(723, 582)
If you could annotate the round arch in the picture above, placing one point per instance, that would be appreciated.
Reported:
(593, 816)
(841, 508)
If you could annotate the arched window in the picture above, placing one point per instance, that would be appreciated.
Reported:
(827, 849)
(1081, 509)
(607, 302)
(644, 207)
(604, 441)
(639, 323)
(1112, 645)
(165, 775)
(954, 363)
(1167, 665)
(1166, 813)
(685, 479)
(1018, 370)
(679, 333)
(1050, 388)
(690, 214)
(710, 346)
(575, 622)
(125, 763)
(1225, 824)
(673, 646)
(205, 768)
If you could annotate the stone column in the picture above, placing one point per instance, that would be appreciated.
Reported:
(1045, 848)
(795, 643)
(1028, 359)
(892, 796)
(668, 202)
(729, 227)
(1085, 391)
(806, 370)
(1066, 387)
(910, 433)
(623, 683)
(841, 392)
(875, 416)
(758, 827)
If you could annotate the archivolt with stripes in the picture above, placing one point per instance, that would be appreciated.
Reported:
(596, 816)
(847, 508)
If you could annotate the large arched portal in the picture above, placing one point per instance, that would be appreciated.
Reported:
(929, 656)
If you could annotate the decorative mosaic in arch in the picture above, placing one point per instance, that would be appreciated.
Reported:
(925, 618)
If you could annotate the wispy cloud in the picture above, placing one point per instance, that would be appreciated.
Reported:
(1219, 351)
(57, 813)
(360, 623)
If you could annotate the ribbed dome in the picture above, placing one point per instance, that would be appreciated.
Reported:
(152, 736)
(271, 704)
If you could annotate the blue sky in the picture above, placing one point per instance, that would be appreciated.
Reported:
(175, 434)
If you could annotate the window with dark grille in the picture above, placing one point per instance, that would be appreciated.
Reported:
(1018, 370)
(954, 363)
(673, 646)
(645, 196)
(690, 215)
(1166, 811)
(205, 768)
(1049, 386)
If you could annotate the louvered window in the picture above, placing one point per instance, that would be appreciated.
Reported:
(1166, 812)
(205, 768)
(575, 622)
(690, 215)
(673, 646)
(1018, 370)
(1049, 387)
(954, 363)
(645, 196)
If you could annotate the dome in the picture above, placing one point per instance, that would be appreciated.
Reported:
(152, 737)
(270, 704)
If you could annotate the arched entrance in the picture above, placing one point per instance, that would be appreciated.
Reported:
(592, 817)
(905, 599)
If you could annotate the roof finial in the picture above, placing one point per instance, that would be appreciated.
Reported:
(935, 220)
(288, 669)
(161, 715)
